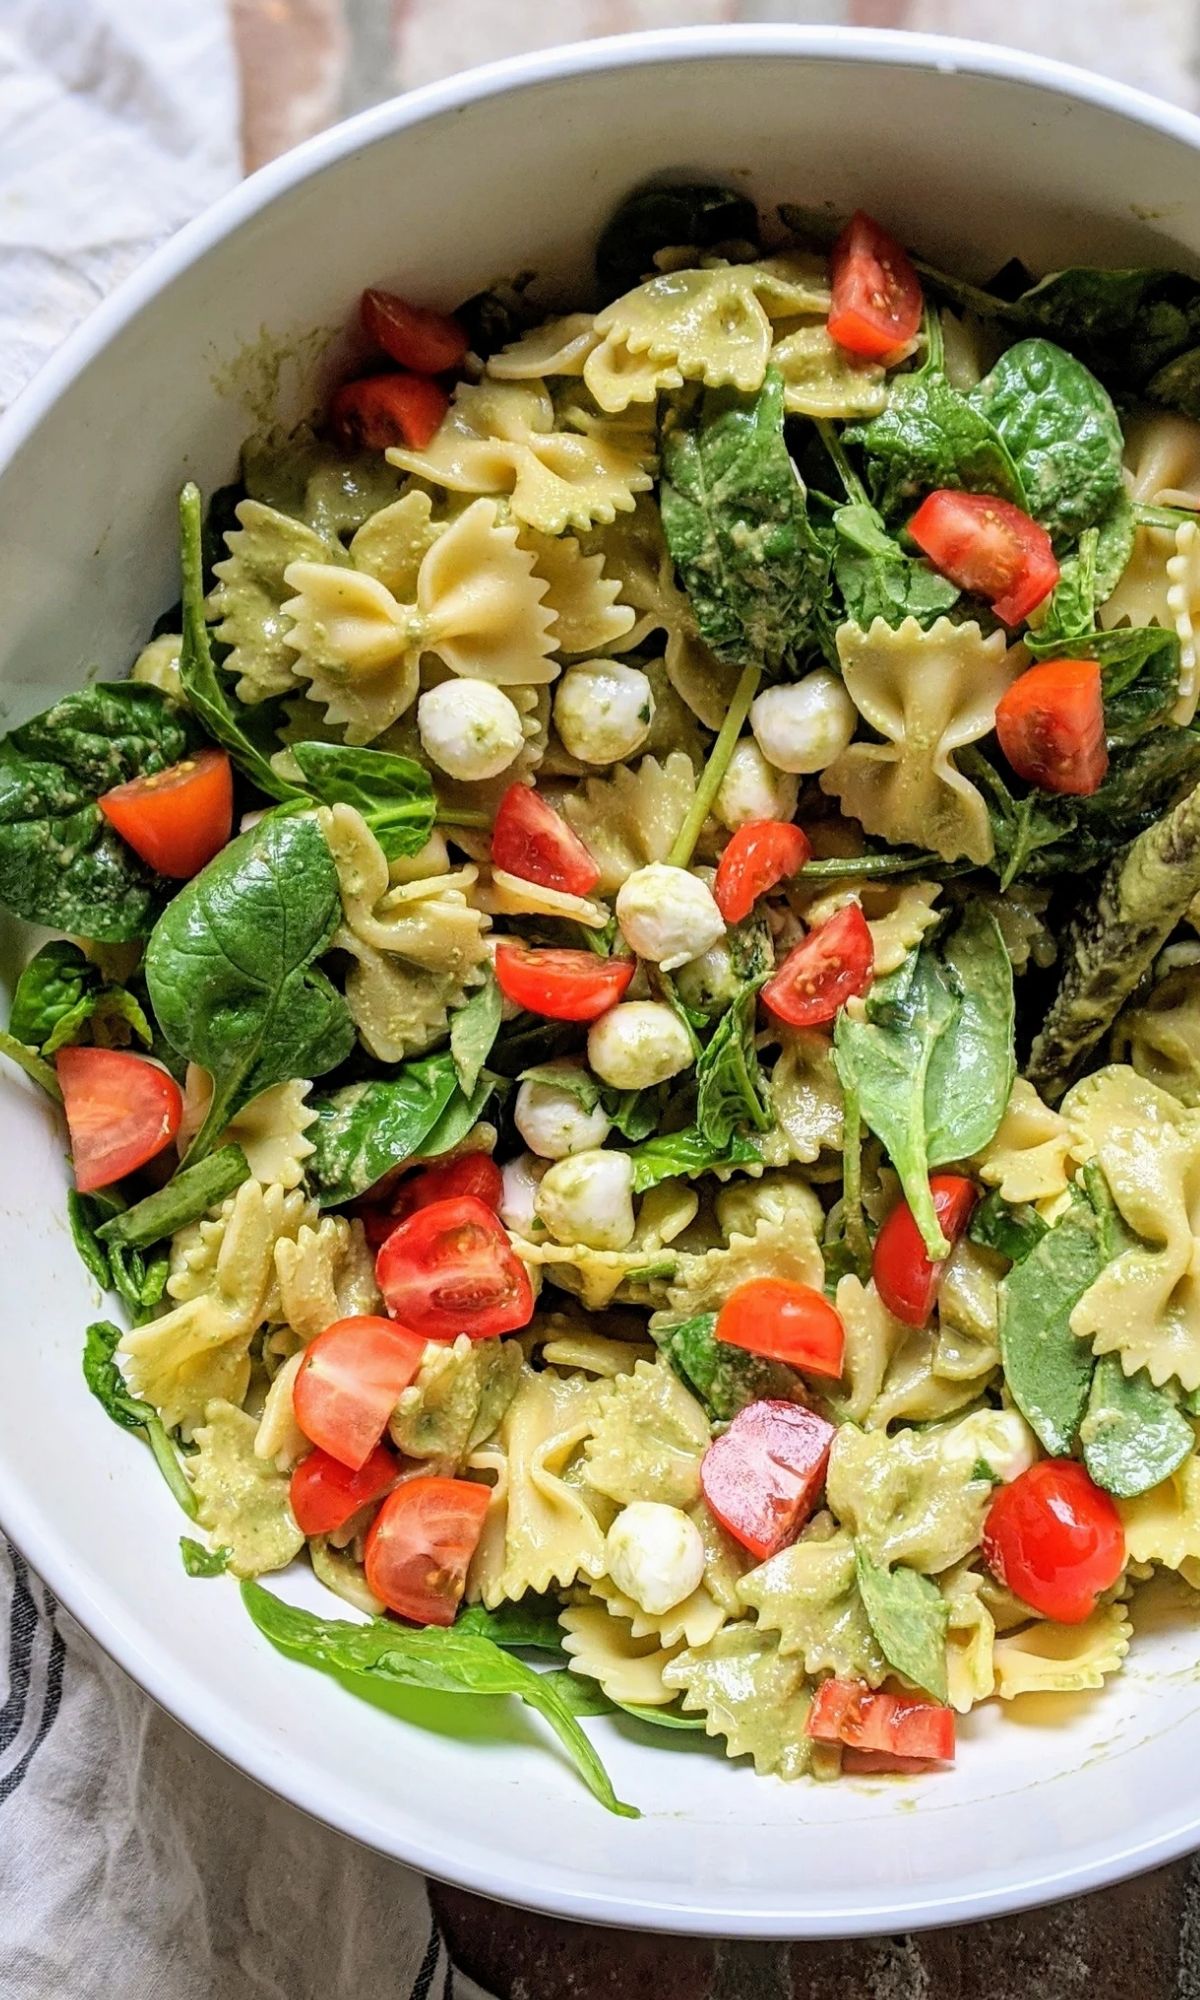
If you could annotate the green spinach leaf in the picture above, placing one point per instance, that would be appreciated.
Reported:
(62, 993)
(908, 1615)
(185, 1198)
(1012, 1229)
(199, 1561)
(930, 436)
(530, 1622)
(1047, 1368)
(698, 214)
(473, 1029)
(725, 1378)
(85, 1214)
(875, 576)
(1133, 1435)
(107, 1384)
(35, 1067)
(1061, 431)
(731, 1091)
(689, 1153)
(365, 1129)
(1140, 667)
(393, 794)
(971, 1069)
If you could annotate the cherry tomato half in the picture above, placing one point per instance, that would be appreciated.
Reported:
(531, 840)
(876, 293)
(906, 1276)
(379, 410)
(759, 855)
(349, 1381)
(449, 1268)
(420, 1544)
(417, 337)
(470, 1173)
(562, 985)
(822, 972)
(121, 1111)
(1050, 723)
(1055, 1540)
(784, 1321)
(762, 1477)
(889, 1725)
(325, 1494)
(987, 546)
(175, 819)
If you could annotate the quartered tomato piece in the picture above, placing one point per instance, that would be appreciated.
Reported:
(175, 819)
(906, 1276)
(379, 410)
(1055, 1540)
(325, 1494)
(471, 1173)
(531, 840)
(763, 1476)
(759, 855)
(562, 985)
(420, 1544)
(416, 336)
(449, 1268)
(876, 293)
(989, 547)
(893, 1725)
(121, 1111)
(822, 972)
(1050, 723)
(784, 1321)
(349, 1382)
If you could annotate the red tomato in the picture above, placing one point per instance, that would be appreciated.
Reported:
(121, 1111)
(450, 1269)
(786, 1322)
(470, 1173)
(906, 1276)
(379, 410)
(822, 972)
(1054, 1539)
(562, 985)
(416, 336)
(869, 1763)
(901, 1725)
(531, 840)
(1051, 727)
(758, 856)
(420, 1544)
(325, 1494)
(762, 1476)
(175, 819)
(989, 547)
(349, 1381)
(876, 293)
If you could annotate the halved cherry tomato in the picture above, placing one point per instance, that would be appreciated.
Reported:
(762, 1476)
(349, 1382)
(1055, 1540)
(866, 1718)
(785, 1321)
(121, 1111)
(531, 840)
(379, 410)
(325, 1494)
(450, 1269)
(470, 1173)
(876, 293)
(758, 856)
(175, 819)
(416, 336)
(420, 1544)
(562, 985)
(906, 1276)
(1051, 727)
(823, 971)
(987, 546)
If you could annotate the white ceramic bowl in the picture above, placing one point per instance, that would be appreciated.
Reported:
(974, 154)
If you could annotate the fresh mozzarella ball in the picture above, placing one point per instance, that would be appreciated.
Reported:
(638, 1044)
(520, 1179)
(668, 915)
(655, 1555)
(1000, 1438)
(469, 729)
(553, 1122)
(603, 711)
(709, 983)
(753, 789)
(589, 1199)
(805, 726)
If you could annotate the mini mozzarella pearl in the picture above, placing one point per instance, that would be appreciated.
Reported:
(638, 1044)
(1000, 1437)
(589, 1199)
(553, 1123)
(667, 915)
(805, 726)
(469, 729)
(520, 1179)
(753, 789)
(603, 711)
(655, 1555)
(709, 983)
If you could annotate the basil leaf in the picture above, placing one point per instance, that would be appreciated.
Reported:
(473, 1029)
(731, 1091)
(1133, 1435)
(908, 1615)
(393, 794)
(199, 1561)
(930, 436)
(1047, 1368)
(366, 1129)
(108, 1386)
(687, 1152)
(725, 1378)
(185, 1198)
(698, 214)
(1061, 431)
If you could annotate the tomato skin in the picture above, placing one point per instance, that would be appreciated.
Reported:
(1055, 1540)
(762, 1477)
(531, 840)
(785, 1321)
(758, 855)
(175, 819)
(471, 1173)
(121, 1111)
(877, 299)
(325, 1494)
(562, 985)
(906, 1276)
(349, 1381)
(823, 971)
(420, 1544)
(379, 410)
(417, 337)
(1050, 723)
(870, 1719)
(989, 547)
(449, 1268)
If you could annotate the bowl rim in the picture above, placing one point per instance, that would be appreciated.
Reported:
(87, 1598)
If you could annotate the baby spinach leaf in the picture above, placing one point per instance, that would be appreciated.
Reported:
(35, 1067)
(731, 1090)
(696, 213)
(908, 1615)
(107, 1384)
(1140, 666)
(185, 1198)
(460, 1115)
(874, 575)
(366, 1129)
(139, 1279)
(1133, 1435)
(199, 1561)
(393, 794)
(499, 314)
(85, 1213)
(530, 1622)
(473, 1029)
(971, 1068)
(446, 1660)
(1061, 431)
(62, 992)
(1047, 1368)
(230, 972)
(1012, 1229)
(690, 1153)
(725, 1378)
(931, 436)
